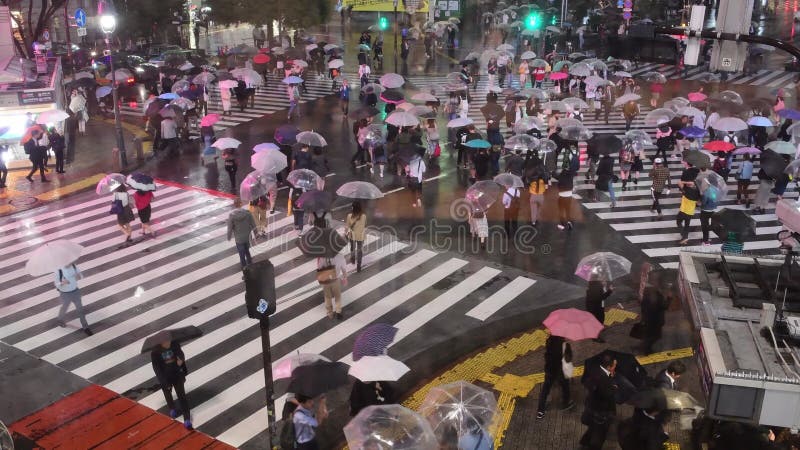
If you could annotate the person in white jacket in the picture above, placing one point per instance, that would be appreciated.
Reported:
(414, 170)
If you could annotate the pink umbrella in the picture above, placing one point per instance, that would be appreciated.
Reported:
(696, 96)
(209, 119)
(573, 324)
(747, 151)
(558, 76)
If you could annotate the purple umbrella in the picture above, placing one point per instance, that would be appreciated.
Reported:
(286, 134)
(373, 340)
(693, 132)
(191, 94)
(747, 151)
(787, 113)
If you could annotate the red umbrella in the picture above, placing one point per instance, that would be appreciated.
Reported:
(696, 96)
(261, 58)
(719, 146)
(573, 324)
(29, 133)
(209, 120)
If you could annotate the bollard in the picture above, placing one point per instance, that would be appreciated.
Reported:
(115, 157)
(137, 146)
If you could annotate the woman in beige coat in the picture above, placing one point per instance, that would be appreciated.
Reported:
(356, 224)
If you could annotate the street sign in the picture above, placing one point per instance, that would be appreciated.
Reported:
(80, 18)
(82, 31)
(45, 35)
(727, 62)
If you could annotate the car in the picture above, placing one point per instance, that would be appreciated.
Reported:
(154, 50)
(177, 57)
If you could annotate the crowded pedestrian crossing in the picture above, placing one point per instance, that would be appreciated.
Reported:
(268, 99)
(189, 274)
(770, 78)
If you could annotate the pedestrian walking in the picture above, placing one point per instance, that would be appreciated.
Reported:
(142, 200)
(659, 176)
(367, 394)
(58, 144)
(765, 186)
(689, 198)
(626, 156)
(743, 176)
(306, 422)
(479, 226)
(414, 171)
(666, 378)
(344, 97)
(3, 167)
(642, 431)
(654, 305)
(294, 100)
(258, 208)
(332, 275)
(169, 364)
(601, 406)
(231, 166)
(557, 351)
(77, 105)
(225, 97)
(36, 154)
(629, 112)
(605, 178)
(708, 204)
(67, 286)
(320, 166)
(565, 186)
(355, 230)
(596, 294)
(511, 199)
(169, 135)
(537, 186)
(121, 206)
(240, 225)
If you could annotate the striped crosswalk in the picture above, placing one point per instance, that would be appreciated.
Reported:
(268, 99)
(762, 77)
(189, 275)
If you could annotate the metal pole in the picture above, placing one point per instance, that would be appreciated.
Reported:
(123, 158)
(396, 26)
(66, 29)
(266, 354)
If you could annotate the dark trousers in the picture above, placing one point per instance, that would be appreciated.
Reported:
(298, 214)
(656, 197)
(181, 393)
(595, 435)
(460, 154)
(244, 253)
(564, 205)
(356, 252)
(742, 187)
(628, 121)
(232, 177)
(661, 151)
(361, 155)
(705, 223)
(59, 160)
(683, 220)
(310, 445)
(549, 379)
(510, 221)
(3, 174)
(37, 165)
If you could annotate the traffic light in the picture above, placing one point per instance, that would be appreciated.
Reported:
(259, 285)
(383, 23)
(532, 21)
(554, 21)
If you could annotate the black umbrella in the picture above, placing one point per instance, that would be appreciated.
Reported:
(468, 62)
(86, 83)
(391, 95)
(315, 201)
(365, 112)
(736, 221)
(318, 378)
(286, 134)
(696, 158)
(773, 164)
(154, 107)
(179, 335)
(407, 152)
(605, 144)
(321, 242)
(148, 72)
(627, 366)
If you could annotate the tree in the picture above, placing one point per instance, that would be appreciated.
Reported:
(291, 13)
(146, 18)
(33, 21)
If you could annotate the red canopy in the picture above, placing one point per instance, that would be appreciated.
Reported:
(719, 146)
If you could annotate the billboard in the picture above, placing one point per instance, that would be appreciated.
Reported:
(386, 5)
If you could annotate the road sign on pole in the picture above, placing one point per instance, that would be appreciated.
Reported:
(80, 18)
(692, 52)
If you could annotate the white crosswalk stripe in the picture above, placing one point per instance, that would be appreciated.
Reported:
(268, 99)
(189, 275)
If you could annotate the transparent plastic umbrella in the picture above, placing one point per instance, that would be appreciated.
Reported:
(372, 136)
(51, 256)
(528, 123)
(536, 93)
(580, 70)
(640, 136)
(256, 184)
(781, 147)
(603, 266)
(576, 103)
(459, 406)
(522, 142)
(265, 146)
(730, 124)
(391, 80)
(575, 133)
(712, 179)
(509, 180)
(110, 183)
(730, 96)
(547, 146)
(621, 100)
(568, 122)
(303, 179)
(268, 161)
(402, 119)
(528, 55)
(284, 368)
(459, 122)
(658, 116)
(51, 116)
(389, 427)
(556, 105)
(359, 189)
(483, 194)
(311, 138)
(654, 77)
(424, 97)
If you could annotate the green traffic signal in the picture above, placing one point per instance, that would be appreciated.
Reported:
(554, 21)
(383, 23)
(532, 21)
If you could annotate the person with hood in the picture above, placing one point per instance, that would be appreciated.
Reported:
(240, 225)
(556, 350)
(169, 364)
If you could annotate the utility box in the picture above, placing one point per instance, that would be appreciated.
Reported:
(733, 16)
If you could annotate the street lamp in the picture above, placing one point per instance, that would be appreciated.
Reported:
(108, 23)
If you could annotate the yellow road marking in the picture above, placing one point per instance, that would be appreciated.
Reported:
(62, 191)
(616, 315)
(5, 209)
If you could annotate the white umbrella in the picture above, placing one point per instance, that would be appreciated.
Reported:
(51, 116)
(505, 48)
(300, 63)
(730, 124)
(391, 80)
(226, 142)
(459, 122)
(359, 189)
(268, 161)
(424, 97)
(51, 256)
(378, 368)
(335, 64)
(528, 55)
(627, 98)
(265, 146)
(402, 119)
(311, 138)
(690, 111)
(121, 75)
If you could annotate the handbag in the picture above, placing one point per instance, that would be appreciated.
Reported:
(327, 274)
(437, 151)
(116, 207)
(566, 366)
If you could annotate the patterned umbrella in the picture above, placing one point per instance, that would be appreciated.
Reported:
(110, 183)
(373, 340)
(573, 324)
(141, 182)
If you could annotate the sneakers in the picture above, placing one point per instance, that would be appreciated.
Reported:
(188, 424)
(339, 316)
(88, 331)
(540, 415)
(173, 413)
(560, 227)
(61, 323)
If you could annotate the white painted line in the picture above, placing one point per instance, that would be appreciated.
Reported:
(496, 301)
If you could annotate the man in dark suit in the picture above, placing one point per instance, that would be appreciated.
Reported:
(667, 378)
(643, 431)
(601, 407)
(654, 305)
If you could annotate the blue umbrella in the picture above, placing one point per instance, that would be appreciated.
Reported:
(373, 340)
(787, 113)
(292, 80)
(693, 132)
(102, 91)
(192, 94)
(168, 96)
(286, 134)
(478, 143)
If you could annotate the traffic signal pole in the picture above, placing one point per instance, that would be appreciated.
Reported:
(707, 34)
(396, 26)
(266, 356)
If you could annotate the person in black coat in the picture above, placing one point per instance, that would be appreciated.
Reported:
(368, 394)
(667, 378)
(58, 144)
(596, 294)
(605, 177)
(643, 431)
(601, 406)
(169, 364)
(654, 305)
(556, 349)
(36, 154)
